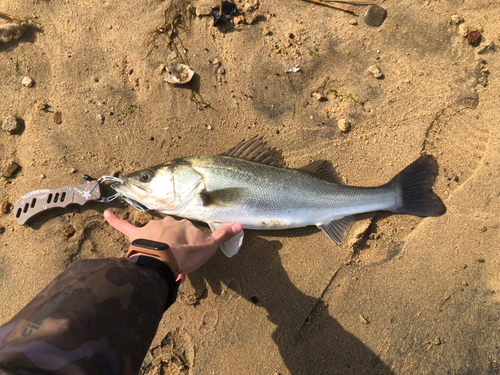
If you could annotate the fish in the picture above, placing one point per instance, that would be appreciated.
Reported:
(247, 185)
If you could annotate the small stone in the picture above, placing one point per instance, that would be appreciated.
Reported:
(318, 96)
(160, 69)
(69, 231)
(216, 62)
(474, 37)
(209, 127)
(375, 16)
(456, 19)
(2, 230)
(41, 106)
(375, 70)
(266, 31)
(101, 118)
(4, 207)
(11, 125)
(344, 125)
(27, 81)
(203, 11)
(9, 170)
(72, 170)
(363, 319)
(221, 71)
(463, 30)
(57, 117)
(353, 22)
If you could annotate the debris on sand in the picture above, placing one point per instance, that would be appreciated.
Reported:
(179, 74)
(27, 82)
(221, 16)
(375, 70)
(11, 125)
(12, 31)
(474, 37)
(5, 207)
(344, 125)
(9, 170)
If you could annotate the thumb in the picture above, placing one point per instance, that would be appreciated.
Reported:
(226, 232)
(121, 225)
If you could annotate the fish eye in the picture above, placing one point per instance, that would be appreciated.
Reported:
(146, 176)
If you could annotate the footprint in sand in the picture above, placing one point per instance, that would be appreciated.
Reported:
(174, 356)
(458, 139)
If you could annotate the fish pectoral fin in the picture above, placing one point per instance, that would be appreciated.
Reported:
(255, 150)
(337, 230)
(224, 198)
(322, 169)
(231, 247)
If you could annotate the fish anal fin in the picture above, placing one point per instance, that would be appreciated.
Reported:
(224, 198)
(337, 230)
(322, 169)
(231, 247)
(255, 149)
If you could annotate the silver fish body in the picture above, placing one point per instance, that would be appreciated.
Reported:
(223, 189)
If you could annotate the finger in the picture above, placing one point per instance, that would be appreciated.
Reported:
(225, 233)
(121, 225)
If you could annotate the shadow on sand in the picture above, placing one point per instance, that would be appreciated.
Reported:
(310, 341)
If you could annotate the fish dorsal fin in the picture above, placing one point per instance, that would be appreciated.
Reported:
(231, 247)
(322, 169)
(255, 150)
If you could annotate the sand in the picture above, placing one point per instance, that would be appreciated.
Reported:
(408, 296)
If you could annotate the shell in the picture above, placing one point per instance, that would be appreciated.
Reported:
(179, 74)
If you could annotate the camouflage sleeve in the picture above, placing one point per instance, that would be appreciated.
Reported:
(97, 317)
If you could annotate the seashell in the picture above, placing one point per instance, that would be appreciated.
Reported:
(179, 74)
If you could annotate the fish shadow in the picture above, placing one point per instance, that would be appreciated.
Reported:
(310, 341)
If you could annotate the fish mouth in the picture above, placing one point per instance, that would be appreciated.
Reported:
(130, 190)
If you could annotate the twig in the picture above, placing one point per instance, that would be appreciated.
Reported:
(330, 6)
(12, 18)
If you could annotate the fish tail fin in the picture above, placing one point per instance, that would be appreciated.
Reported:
(414, 185)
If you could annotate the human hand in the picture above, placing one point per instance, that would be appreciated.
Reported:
(190, 246)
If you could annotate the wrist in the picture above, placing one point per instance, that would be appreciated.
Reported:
(154, 249)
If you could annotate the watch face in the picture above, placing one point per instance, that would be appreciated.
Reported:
(148, 244)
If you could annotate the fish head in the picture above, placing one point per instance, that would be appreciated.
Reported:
(166, 187)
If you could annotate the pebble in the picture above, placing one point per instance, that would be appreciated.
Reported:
(474, 37)
(2, 230)
(27, 81)
(375, 70)
(344, 125)
(57, 117)
(375, 16)
(101, 118)
(69, 231)
(221, 71)
(318, 96)
(9, 170)
(463, 30)
(11, 125)
(4, 207)
(456, 19)
(209, 127)
(353, 22)
(266, 31)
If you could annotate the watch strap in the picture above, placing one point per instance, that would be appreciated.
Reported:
(165, 256)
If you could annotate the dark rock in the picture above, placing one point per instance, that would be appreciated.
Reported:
(375, 16)
(474, 37)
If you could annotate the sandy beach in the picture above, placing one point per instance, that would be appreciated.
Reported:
(406, 295)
